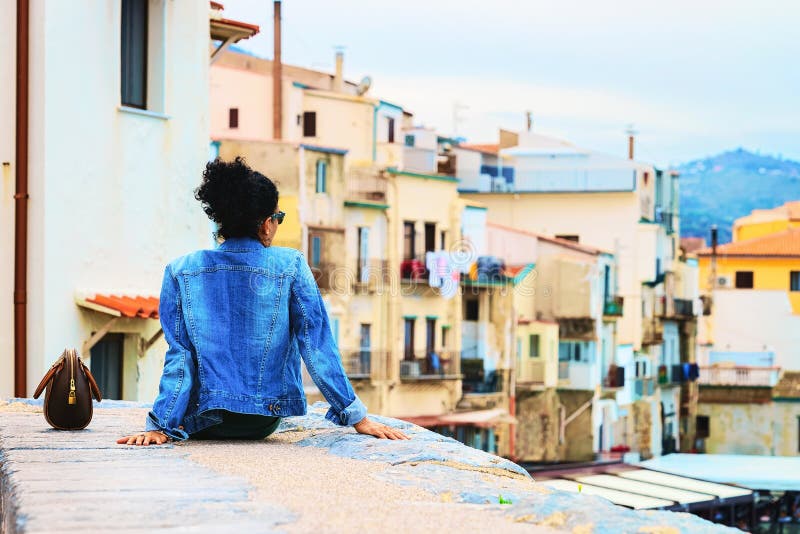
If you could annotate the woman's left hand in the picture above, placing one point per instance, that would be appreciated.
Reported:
(380, 431)
(151, 437)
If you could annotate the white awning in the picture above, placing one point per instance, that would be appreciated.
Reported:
(663, 479)
(631, 500)
(645, 488)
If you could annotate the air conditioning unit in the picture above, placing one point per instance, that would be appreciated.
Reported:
(409, 369)
(724, 281)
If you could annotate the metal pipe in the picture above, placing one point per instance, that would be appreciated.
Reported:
(277, 74)
(21, 205)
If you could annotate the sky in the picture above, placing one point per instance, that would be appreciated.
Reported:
(693, 77)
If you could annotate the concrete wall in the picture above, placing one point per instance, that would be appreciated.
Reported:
(111, 190)
(540, 418)
(746, 320)
(768, 274)
(7, 189)
(739, 428)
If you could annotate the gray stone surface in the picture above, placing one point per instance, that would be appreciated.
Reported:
(311, 475)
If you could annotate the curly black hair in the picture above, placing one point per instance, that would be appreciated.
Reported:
(236, 197)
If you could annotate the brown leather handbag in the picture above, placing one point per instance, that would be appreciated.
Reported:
(70, 386)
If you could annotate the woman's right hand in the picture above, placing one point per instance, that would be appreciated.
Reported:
(144, 438)
(381, 431)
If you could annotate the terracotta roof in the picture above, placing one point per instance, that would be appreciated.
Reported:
(788, 387)
(692, 244)
(216, 5)
(555, 240)
(492, 149)
(781, 244)
(128, 306)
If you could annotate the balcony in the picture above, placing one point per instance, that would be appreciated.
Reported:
(325, 274)
(652, 332)
(372, 275)
(442, 365)
(615, 378)
(739, 376)
(475, 379)
(576, 375)
(671, 375)
(366, 185)
(364, 363)
(613, 306)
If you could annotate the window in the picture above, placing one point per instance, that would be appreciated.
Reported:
(322, 174)
(390, 132)
(363, 254)
(134, 53)
(409, 338)
(309, 124)
(430, 237)
(703, 427)
(233, 118)
(430, 335)
(443, 241)
(409, 140)
(568, 237)
(471, 309)
(409, 244)
(533, 345)
(316, 250)
(794, 281)
(106, 365)
(444, 337)
(744, 279)
(575, 351)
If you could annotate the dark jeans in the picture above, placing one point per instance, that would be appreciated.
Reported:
(239, 426)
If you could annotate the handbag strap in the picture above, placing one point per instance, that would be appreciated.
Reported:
(48, 377)
(92, 382)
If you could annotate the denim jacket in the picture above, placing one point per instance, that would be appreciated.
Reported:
(237, 320)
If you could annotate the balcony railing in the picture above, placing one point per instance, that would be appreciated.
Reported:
(366, 184)
(613, 306)
(371, 275)
(325, 274)
(437, 365)
(739, 376)
(357, 363)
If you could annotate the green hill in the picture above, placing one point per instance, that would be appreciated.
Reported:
(719, 189)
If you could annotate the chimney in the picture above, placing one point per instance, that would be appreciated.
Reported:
(277, 75)
(714, 239)
(529, 119)
(338, 78)
(631, 136)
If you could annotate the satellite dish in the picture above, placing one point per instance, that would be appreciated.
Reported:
(364, 85)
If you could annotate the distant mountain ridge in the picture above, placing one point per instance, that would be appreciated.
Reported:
(720, 189)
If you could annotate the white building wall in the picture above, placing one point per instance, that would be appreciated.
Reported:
(7, 189)
(111, 191)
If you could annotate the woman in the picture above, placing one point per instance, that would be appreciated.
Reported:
(238, 319)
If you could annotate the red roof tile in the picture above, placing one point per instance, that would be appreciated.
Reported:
(781, 244)
(144, 307)
(555, 240)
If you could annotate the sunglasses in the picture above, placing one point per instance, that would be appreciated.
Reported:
(278, 216)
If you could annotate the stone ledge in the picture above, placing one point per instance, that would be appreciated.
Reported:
(310, 475)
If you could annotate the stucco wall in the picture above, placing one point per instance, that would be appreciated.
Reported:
(343, 122)
(111, 191)
(7, 189)
(538, 431)
(739, 428)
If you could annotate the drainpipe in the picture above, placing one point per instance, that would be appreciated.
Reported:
(21, 205)
(277, 75)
